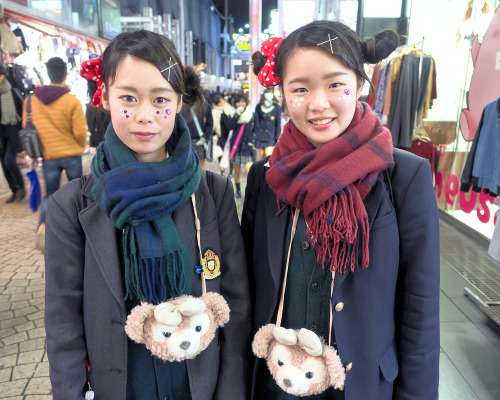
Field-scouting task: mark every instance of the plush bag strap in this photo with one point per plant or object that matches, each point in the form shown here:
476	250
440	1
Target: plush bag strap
282	300
198	238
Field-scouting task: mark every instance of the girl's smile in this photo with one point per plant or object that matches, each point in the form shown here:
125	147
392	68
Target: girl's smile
321	94
143	105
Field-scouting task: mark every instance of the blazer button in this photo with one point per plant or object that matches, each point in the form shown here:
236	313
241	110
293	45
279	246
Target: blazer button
313	327
161	362
348	367
305	245
339	307
315	286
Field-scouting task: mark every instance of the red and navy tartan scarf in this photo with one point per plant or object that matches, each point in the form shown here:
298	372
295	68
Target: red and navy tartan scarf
328	184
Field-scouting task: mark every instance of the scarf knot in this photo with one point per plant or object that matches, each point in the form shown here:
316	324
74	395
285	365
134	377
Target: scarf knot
139	198
329	184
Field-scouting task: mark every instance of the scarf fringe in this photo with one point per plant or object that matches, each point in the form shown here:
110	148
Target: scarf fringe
153	280
336	232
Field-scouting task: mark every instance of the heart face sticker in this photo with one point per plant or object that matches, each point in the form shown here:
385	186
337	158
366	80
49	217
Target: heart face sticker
347	91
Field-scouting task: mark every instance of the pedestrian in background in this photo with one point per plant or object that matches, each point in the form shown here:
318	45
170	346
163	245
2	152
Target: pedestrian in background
126	234
60	122
241	147
267	123
10	145
349	221
98	118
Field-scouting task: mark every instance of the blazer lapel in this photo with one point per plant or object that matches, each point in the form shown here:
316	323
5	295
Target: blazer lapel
101	235
276	230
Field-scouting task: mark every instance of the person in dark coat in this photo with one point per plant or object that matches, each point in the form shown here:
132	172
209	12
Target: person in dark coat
201	127
98	118
267	123
242	137
148	225
341	229
10	144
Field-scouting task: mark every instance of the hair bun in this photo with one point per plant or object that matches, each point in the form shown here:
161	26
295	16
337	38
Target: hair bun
258	61
193	93
380	46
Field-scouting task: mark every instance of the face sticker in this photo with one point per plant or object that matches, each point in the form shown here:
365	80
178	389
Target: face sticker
125	113
164	114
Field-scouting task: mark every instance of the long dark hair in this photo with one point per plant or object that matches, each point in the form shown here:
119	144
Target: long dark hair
159	51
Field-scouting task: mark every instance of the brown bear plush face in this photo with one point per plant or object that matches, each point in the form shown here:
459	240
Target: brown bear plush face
180	328
295	372
299	361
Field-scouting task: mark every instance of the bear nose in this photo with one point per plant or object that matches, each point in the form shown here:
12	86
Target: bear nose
185	345
287	382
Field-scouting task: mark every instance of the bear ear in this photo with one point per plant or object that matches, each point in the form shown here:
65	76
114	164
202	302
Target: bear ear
218	305
136	320
263	338
334	367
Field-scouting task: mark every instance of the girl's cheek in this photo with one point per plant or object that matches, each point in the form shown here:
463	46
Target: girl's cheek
295	102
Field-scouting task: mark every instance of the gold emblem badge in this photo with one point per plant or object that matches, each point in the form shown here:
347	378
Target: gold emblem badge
211	264
272	117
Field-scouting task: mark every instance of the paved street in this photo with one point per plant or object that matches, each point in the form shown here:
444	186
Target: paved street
24	368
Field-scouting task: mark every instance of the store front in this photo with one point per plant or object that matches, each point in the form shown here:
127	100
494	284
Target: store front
43	40
460	36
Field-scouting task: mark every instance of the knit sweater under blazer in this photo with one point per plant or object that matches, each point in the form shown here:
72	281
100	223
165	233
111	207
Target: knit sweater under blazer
61	126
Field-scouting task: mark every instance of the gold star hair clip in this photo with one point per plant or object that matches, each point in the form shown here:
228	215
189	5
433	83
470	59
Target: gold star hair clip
168	68
330	40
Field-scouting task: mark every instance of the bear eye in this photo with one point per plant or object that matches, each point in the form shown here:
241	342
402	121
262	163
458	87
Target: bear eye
309	375
167	334
280	363
198	328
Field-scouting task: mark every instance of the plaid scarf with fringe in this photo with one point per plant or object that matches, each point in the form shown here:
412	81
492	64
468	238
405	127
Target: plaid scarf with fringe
139	198
329	184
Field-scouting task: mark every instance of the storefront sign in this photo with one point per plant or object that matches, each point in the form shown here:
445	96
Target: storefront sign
468	202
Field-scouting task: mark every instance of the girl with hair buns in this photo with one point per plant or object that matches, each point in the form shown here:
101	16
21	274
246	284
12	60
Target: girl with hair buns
147	225
341	229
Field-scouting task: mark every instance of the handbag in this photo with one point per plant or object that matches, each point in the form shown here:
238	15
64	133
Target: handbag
29	136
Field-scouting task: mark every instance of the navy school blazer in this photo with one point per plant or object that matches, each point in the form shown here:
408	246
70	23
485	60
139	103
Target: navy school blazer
388	330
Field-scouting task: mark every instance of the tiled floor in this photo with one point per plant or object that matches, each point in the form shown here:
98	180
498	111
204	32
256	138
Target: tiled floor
470	356
470	342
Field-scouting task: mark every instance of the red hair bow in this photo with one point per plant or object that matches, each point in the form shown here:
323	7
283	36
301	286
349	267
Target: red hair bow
269	49
92	70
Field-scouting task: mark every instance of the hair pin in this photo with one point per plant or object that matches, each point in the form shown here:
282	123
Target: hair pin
330	40
168	68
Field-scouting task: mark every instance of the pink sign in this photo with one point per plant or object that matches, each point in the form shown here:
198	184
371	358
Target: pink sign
485	82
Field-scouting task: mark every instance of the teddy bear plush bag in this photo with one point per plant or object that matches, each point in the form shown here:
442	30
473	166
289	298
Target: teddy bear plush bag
300	362
179	328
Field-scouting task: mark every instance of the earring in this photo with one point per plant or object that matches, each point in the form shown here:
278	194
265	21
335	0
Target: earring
125	113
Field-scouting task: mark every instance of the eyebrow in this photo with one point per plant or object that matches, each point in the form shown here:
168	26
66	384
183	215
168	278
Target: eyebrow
154	90
325	77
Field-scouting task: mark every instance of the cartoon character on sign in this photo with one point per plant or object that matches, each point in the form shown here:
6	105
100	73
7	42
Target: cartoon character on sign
485	82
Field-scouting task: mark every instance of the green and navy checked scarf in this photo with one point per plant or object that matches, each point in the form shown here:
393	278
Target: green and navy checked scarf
329	184
139	198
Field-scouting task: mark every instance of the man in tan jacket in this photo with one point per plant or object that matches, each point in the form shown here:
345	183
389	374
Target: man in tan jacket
61	125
